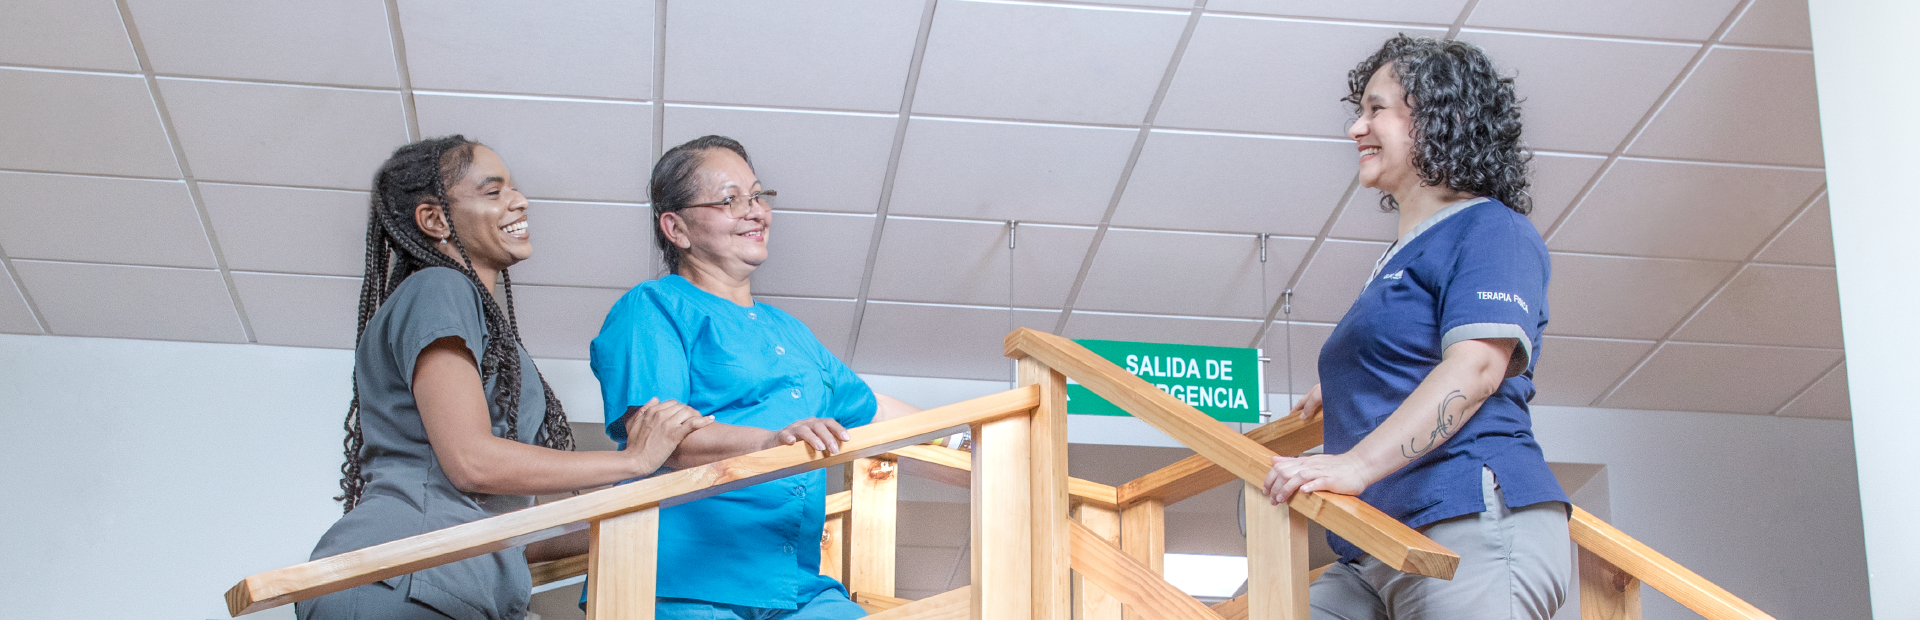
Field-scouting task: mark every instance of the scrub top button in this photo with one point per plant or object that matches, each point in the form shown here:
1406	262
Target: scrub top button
752	316
779	350
795	392
788	548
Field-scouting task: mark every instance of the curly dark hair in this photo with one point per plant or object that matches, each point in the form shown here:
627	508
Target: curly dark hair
416	174
1466	118
672	186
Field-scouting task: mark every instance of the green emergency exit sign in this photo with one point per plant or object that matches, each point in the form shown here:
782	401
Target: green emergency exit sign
1223	382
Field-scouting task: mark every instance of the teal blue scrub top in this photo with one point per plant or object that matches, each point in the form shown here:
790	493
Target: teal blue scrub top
746	366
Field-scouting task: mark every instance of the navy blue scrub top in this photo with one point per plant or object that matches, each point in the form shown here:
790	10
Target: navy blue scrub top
746	366
1475	270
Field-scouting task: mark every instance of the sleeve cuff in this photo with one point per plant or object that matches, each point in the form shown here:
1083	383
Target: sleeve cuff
1522	354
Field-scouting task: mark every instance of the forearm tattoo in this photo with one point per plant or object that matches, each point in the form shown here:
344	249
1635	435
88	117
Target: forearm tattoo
1442	428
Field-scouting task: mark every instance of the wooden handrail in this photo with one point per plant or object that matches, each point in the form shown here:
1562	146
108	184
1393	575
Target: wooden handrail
1381	536
1084	491
364	566
1667	576
1129	580
1288	436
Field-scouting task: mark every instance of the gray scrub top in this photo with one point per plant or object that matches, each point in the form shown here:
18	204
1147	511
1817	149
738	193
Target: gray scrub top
407	493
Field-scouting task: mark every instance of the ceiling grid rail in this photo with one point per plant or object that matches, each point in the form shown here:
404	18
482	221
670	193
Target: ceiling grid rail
402	71
186	169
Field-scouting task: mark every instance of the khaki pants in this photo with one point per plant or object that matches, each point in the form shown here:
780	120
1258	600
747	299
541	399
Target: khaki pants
1514	564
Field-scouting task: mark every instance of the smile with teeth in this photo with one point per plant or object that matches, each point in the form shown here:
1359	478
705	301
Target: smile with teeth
754	234
1369	152
515	228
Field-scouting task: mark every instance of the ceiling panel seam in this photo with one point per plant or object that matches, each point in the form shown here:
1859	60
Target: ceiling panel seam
1816	381
216	79
1280	301
1702	305
98	175
186	169
1647	119
655	265
402	71
893	168
26	297
20	66
1460	22
1133	158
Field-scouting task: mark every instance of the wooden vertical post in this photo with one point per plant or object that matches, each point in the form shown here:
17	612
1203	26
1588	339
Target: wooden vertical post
833	548
1143	535
1002	515
1052	548
621	560
1089	601
1606	592
1276	559
874	485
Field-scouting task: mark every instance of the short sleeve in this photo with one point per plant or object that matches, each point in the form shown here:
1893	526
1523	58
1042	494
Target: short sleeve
431	304
852	403
638	356
1498	287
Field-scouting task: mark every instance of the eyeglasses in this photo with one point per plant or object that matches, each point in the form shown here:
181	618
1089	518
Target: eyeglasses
740	206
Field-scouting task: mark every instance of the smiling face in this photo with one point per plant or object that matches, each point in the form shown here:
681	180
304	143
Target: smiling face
1384	135
708	236
489	213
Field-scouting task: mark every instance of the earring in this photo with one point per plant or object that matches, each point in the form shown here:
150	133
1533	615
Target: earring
443	241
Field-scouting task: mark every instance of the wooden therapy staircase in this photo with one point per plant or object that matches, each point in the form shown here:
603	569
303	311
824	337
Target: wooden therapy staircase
1044	546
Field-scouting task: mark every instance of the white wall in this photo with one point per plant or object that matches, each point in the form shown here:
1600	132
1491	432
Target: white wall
147	477
1870	123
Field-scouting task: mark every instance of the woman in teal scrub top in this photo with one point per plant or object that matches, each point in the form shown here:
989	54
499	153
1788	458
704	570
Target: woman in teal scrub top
697	338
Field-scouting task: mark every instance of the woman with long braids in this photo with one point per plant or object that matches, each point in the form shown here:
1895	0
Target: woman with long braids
1425	381
450	421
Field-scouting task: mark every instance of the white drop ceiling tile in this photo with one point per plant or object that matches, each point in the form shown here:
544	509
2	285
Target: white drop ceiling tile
1279	76
73	122
561	321
289	230
1139	328
101	220
346	43
815	255
830	319
965	262
563	150
1041	62
1827	398
1334	278
1304	355
1573	372
1193	274
1556	179
848	56
1774	90
284	135
300	310
1624	297
1634	18
119	301
1773	22
817	161
1232	184
1684	210
63	33
575	47
1442	12
1008	171
1747	379
1582	94
587	244
1363	219
15	316
1772	305
915	340
1807	241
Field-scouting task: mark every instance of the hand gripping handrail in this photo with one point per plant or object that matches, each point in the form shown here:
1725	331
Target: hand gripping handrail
1383	537
364	566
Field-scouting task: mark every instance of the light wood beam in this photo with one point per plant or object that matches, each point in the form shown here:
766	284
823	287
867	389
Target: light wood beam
1669	577
871	535
1143	537
1606	592
364	566
1195	474
833	547
876	603
1052	550
1139	587
1276	560
952	605
950	466
563	568
1386	539
1090	602
1002	520
621	559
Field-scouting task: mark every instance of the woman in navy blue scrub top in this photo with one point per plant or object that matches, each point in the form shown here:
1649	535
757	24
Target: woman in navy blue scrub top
1425	381
697	338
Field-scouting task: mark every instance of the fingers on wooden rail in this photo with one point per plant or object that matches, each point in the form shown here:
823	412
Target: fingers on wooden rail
1618	551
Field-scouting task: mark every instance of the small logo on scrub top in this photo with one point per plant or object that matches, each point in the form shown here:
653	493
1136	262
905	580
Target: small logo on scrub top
1492	296
1395	275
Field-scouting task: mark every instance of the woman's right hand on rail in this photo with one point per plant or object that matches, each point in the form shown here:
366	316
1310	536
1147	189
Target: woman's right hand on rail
823	434
655	429
1309	406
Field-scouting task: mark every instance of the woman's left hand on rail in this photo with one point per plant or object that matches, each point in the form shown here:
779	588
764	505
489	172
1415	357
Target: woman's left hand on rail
824	434
1335	473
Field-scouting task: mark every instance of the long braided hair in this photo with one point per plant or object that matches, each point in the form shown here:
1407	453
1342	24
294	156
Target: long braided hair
416	174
